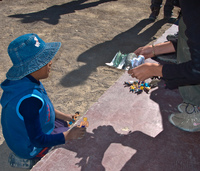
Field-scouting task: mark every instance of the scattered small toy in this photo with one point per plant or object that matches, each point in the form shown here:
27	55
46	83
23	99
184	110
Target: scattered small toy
84	123
129	83
154	81
74	118
138	87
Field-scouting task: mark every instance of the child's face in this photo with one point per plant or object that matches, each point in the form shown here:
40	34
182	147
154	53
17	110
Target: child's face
46	70
43	72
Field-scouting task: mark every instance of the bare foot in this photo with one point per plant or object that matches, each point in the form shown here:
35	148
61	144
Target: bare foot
74	133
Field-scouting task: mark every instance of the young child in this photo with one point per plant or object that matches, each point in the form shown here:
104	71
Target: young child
28	116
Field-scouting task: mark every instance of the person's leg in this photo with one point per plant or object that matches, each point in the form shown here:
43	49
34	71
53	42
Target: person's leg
19	162
190	94
156	4
60	126
168	8
15	161
155	9
189	119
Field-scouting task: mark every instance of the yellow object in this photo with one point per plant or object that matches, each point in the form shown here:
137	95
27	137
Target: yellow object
141	88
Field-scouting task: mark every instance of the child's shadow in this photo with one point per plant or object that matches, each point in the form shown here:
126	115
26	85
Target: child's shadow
100	54
52	14
171	149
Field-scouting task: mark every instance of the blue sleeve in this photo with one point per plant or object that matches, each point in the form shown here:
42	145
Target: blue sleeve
29	109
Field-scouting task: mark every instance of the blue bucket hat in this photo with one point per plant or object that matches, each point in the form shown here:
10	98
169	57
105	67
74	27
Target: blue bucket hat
29	53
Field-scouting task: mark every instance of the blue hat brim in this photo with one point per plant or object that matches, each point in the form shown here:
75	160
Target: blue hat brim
17	72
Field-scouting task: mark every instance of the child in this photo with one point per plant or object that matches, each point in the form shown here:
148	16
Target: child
28	116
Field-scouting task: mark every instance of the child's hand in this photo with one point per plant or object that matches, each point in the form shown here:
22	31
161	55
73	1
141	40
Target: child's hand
74	133
70	117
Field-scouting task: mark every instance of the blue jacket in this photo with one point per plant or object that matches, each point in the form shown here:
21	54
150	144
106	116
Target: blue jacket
13	126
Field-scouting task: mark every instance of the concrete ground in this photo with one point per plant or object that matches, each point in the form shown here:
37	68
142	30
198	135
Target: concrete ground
91	32
129	132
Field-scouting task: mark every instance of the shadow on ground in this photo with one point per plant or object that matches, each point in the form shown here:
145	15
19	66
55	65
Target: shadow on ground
52	14
104	52
171	149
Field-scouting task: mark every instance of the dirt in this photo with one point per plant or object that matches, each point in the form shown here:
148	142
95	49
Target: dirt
91	33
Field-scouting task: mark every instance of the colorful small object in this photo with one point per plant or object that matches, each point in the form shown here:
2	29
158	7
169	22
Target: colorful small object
154	82
138	87
129	83
132	88
84	123
74	118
